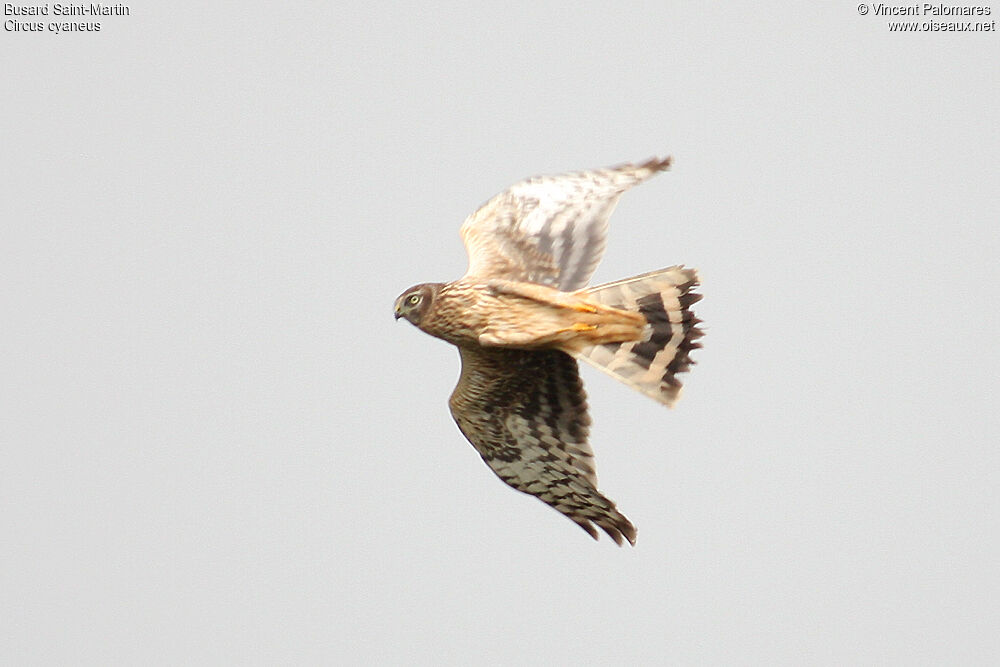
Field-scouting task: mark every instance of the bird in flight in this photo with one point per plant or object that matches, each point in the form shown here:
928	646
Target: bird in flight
522	315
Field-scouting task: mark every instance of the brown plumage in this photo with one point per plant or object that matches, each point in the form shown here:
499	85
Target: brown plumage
520	318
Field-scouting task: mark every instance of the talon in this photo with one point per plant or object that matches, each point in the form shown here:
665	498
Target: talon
584	308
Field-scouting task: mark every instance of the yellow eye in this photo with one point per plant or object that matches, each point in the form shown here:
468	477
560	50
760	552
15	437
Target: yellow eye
414	299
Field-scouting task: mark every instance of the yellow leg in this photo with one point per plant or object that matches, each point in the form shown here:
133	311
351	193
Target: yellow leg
579	326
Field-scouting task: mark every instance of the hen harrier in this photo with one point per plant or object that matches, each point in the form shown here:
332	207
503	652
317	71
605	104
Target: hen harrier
522	315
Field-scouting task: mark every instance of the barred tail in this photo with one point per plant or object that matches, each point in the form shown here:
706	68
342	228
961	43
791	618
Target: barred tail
651	364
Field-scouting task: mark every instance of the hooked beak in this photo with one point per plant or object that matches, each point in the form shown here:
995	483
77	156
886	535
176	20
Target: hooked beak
399	303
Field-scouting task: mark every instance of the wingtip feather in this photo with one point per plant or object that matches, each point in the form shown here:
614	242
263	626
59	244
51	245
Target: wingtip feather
658	164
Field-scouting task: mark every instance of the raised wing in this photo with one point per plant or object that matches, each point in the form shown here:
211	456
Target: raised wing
550	229
525	412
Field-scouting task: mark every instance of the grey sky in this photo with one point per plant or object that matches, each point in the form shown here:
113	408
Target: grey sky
219	447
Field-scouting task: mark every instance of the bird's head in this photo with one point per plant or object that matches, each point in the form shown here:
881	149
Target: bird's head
415	302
